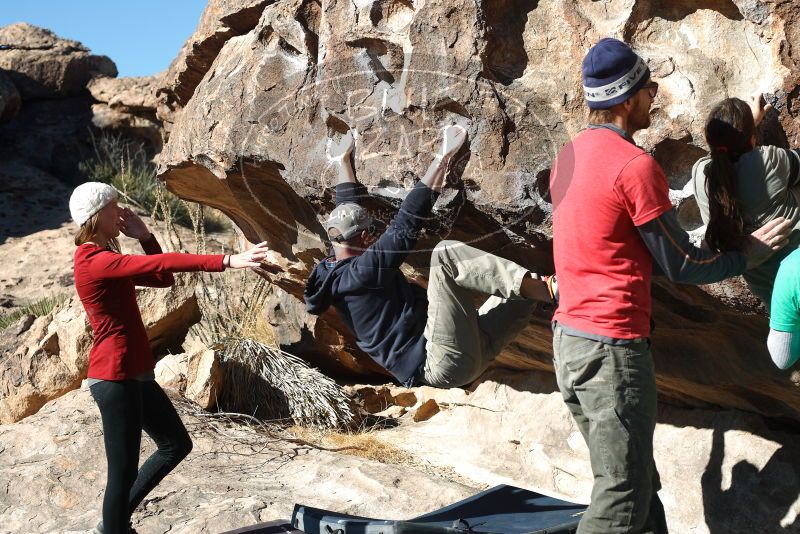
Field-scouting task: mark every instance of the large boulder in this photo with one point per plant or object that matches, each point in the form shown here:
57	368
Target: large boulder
48	356
43	65
56	99
131	94
167	315
45	358
221	20
10	100
127	106
251	109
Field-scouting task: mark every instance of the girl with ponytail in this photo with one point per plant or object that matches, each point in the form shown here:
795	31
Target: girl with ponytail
730	131
740	186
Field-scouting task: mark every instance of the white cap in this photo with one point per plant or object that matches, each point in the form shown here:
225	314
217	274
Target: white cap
351	218
88	199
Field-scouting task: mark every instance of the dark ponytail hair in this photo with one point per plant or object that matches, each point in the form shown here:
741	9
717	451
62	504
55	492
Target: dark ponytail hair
729	132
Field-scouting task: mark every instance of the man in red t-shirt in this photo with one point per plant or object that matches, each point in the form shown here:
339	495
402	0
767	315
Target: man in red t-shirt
612	217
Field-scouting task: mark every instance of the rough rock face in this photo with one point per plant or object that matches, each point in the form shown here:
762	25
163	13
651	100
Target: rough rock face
221	20
171	371
50	119
9	98
45	357
167	315
204	376
48	356
127	106
195	375
43	65
251	108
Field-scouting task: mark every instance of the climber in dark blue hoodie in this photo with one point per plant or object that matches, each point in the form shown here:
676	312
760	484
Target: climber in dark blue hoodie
435	337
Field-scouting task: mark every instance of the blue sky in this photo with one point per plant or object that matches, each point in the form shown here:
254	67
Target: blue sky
140	36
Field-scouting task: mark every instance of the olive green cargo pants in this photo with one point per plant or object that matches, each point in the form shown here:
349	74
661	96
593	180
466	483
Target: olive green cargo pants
462	341
611	392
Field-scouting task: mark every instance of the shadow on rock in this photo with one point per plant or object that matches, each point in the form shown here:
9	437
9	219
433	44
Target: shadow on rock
752	499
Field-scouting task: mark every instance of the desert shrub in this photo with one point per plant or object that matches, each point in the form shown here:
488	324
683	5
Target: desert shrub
261	379
37	308
271	384
125	164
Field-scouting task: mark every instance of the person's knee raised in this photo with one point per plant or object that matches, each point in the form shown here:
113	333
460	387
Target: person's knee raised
442	250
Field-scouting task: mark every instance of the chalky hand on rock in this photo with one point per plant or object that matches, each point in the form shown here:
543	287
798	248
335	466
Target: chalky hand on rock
453	136
338	151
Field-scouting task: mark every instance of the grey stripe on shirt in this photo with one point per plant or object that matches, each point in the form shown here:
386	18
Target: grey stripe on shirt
144	377
780	348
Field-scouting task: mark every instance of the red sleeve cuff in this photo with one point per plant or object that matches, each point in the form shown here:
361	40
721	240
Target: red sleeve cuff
220	258
652	215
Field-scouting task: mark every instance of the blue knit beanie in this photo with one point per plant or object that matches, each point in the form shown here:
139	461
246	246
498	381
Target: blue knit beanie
612	73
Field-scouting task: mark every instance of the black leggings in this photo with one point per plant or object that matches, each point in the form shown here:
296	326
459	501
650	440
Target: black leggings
127	407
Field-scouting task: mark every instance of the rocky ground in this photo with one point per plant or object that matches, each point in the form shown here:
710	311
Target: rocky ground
722	471
52	475
34	235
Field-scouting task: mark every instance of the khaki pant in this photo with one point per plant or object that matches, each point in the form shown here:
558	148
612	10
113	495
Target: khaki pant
461	341
611	392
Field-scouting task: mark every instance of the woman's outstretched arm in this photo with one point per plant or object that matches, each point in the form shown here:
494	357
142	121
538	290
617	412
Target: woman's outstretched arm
106	264
163	279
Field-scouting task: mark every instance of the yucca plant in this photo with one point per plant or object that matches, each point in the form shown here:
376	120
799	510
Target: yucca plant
37	308
259	378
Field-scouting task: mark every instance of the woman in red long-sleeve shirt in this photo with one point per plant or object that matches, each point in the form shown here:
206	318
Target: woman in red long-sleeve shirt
121	364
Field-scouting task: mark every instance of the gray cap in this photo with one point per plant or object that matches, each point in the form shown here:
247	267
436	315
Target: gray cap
350	219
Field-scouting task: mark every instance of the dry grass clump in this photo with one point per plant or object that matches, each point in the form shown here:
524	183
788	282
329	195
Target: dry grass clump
364	444
127	166
274	385
261	379
232	304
